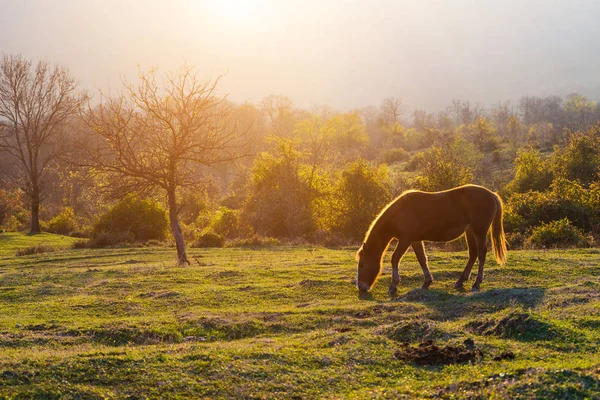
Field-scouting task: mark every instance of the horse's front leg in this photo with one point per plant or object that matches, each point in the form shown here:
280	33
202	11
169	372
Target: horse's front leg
399	251
422	257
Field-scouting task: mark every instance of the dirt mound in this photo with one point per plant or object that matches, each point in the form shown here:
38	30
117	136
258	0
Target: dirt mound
428	353
516	325
413	331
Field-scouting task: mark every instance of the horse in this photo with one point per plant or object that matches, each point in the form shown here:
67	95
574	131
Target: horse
416	216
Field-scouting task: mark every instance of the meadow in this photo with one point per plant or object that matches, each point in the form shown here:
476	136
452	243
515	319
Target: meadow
288	322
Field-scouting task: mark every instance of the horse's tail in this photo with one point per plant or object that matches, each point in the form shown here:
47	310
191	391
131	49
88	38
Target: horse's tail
498	238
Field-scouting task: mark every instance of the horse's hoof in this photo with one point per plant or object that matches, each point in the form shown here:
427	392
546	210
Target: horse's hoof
458	285
392	290
475	288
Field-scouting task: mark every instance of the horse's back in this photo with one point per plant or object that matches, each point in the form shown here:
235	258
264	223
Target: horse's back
444	215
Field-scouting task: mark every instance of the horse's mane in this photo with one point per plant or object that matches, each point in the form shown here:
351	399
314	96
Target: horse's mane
379	217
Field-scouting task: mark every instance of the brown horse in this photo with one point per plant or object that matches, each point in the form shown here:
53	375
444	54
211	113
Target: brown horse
416	216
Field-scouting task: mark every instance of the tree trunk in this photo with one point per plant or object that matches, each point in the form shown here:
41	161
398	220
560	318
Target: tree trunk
176	228
35	210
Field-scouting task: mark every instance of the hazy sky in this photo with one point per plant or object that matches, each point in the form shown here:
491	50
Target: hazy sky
342	53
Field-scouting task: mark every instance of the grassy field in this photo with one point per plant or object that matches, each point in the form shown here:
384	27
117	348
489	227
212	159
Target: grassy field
288	323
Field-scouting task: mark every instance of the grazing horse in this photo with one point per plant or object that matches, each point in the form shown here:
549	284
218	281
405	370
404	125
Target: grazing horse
416	216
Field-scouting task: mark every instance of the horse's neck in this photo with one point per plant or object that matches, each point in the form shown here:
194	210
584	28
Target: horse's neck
378	240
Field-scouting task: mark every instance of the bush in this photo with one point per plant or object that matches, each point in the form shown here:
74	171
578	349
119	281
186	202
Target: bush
64	223
580	159
134	219
39	249
396	155
226	222
105	239
532	172
565	199
442	170
360	193
209	238
558	234
280	201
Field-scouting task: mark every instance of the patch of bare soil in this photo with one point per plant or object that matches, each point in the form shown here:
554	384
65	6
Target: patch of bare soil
428	353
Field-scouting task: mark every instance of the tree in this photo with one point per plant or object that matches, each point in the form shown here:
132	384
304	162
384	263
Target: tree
390	119
280	113
35	104
532	172
280	194
359	194
580	159
157	137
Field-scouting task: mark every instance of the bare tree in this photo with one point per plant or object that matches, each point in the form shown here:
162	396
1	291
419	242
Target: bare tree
156	137
391	111
35	103
280	114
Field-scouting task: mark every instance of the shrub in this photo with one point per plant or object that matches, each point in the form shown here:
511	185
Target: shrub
226	222
440	170
39	249
209	238
558	234
80	244
532	172
396	155
565	199
360	193
134	219
280	201
64	223
580	159
104	239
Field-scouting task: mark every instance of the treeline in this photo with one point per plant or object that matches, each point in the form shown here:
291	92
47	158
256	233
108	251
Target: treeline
176	157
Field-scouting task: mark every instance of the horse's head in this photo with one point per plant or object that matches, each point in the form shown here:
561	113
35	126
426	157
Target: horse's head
369	267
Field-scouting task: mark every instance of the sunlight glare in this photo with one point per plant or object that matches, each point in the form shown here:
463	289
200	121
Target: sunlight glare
237	10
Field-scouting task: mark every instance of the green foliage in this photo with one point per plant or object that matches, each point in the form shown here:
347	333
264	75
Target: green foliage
560	233
483	134
580	159
565	199
13	216
209	238
396	155
280	195
226	222
64	223
104	239
441	170
358	196
532	172
138	219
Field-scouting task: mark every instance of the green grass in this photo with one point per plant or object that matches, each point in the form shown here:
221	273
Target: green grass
288	323
10	242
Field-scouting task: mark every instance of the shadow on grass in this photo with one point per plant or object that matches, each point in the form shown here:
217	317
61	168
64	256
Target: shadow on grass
445	305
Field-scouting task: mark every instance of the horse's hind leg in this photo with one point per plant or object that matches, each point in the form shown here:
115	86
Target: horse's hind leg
399	251
422	257
472	245
481	253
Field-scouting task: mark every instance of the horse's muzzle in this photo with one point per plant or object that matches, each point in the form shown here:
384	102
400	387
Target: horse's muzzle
363	287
